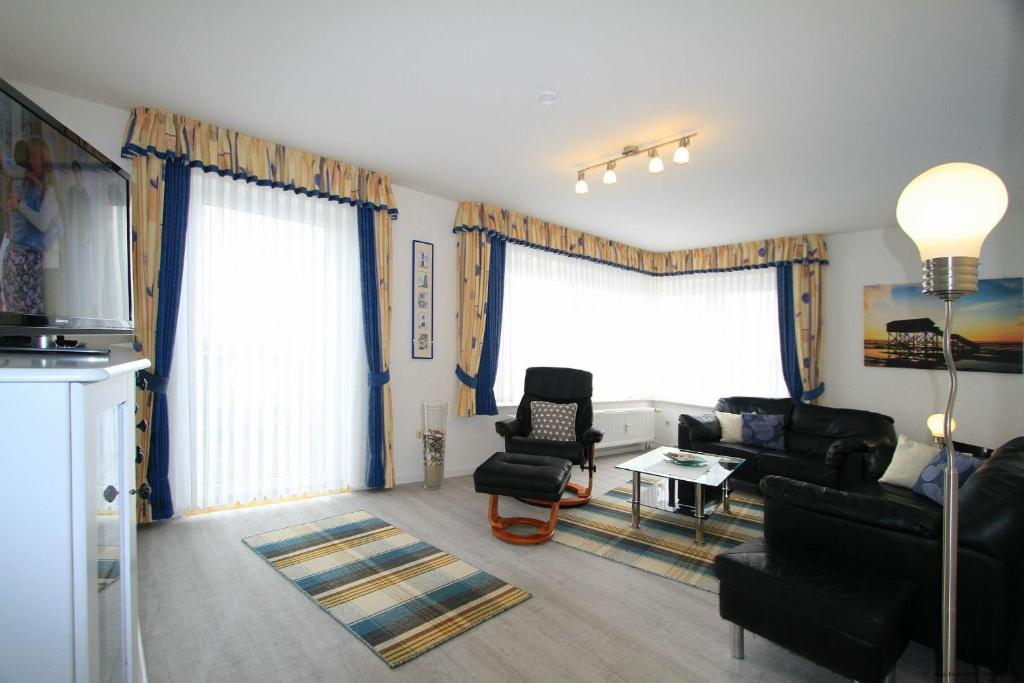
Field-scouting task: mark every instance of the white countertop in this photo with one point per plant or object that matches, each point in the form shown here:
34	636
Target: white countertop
57	367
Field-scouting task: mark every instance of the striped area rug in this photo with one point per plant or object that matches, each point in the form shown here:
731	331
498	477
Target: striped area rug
664	543
394	592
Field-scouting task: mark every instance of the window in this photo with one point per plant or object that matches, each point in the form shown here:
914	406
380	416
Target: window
687	338
267	394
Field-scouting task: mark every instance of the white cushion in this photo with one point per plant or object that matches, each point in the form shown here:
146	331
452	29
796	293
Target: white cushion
732	427
908	460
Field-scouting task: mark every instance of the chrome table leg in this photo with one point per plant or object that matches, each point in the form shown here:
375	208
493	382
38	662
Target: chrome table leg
698	511
725	496
635	512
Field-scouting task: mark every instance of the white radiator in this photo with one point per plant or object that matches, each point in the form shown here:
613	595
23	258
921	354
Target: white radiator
625	426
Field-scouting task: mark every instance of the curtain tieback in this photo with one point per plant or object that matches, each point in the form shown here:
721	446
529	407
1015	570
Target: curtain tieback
465	378
379	379
154	383
814	393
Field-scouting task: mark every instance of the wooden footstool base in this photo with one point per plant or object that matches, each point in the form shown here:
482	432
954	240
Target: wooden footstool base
545	530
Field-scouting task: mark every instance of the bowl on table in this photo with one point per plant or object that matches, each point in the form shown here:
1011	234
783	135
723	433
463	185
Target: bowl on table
685	459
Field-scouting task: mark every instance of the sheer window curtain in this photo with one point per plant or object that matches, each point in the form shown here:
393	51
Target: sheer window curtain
267	396
719	336
688	338
568	312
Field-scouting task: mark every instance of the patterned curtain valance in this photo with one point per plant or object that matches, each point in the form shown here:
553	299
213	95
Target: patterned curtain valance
533	232
224	151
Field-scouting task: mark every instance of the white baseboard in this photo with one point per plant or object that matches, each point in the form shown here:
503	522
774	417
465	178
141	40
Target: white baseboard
417	477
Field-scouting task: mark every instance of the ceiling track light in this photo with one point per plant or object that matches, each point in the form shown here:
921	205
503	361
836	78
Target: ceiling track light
655	163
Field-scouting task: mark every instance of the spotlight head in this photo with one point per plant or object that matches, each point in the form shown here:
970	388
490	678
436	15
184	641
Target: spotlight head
655	165
682	153
609	174
581	183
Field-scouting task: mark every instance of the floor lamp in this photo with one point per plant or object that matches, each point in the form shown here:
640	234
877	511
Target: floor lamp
948	211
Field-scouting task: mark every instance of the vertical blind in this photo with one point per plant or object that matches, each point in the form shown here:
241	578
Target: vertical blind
267	394
688	338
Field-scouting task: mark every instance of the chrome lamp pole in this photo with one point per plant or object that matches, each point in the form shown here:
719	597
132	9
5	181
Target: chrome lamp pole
948	211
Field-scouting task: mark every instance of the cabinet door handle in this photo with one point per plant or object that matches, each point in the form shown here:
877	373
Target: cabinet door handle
143	491
110	493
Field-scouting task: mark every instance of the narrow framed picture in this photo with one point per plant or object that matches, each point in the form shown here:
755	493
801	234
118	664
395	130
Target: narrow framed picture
422	299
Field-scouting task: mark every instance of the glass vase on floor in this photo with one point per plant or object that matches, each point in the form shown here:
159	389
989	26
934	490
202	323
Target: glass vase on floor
435	427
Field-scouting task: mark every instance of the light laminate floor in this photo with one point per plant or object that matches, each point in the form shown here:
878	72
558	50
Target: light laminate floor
211	610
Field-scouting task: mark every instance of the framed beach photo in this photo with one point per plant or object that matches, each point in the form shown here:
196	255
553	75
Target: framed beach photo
903	328
422	299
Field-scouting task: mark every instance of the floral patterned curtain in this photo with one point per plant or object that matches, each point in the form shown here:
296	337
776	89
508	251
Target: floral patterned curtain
153	136
151	132
533	232
808	284
474	259
147	189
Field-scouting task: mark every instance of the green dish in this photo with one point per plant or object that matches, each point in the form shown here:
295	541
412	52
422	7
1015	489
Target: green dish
692	461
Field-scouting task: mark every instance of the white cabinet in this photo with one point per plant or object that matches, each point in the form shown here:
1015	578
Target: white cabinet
67	519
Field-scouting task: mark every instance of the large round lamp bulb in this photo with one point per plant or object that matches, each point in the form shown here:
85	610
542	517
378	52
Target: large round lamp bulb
950	209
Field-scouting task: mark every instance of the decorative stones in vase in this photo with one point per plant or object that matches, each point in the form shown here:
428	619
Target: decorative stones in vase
435	427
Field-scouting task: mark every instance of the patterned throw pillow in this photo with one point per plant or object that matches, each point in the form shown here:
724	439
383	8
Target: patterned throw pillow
764	431
553	421
932	482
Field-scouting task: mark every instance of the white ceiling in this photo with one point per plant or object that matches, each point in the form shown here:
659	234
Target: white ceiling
812	115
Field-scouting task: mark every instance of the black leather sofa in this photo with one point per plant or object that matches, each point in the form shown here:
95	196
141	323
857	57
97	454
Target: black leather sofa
891	532
836	447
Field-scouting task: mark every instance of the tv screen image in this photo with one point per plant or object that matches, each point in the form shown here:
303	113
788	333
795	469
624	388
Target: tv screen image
64	228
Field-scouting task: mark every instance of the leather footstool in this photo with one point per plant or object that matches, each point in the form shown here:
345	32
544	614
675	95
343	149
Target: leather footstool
845	618
537	477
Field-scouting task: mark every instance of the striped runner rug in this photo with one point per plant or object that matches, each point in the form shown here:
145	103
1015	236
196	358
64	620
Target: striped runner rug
664	544
394	592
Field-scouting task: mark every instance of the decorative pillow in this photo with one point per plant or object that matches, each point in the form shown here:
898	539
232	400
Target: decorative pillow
764	431
932	482
732	427
909	458
553	421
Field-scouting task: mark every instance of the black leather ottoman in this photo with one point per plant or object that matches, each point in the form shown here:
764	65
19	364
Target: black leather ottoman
519	475
845	618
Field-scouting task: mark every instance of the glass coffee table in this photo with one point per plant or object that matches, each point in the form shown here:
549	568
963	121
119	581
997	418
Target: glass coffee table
671	491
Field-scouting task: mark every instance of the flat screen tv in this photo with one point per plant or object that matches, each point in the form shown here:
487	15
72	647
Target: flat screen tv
65	262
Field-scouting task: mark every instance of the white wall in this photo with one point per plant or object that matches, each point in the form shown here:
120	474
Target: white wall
990	406
428	218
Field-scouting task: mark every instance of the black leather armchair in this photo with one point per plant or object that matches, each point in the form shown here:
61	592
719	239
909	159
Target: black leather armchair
557	385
